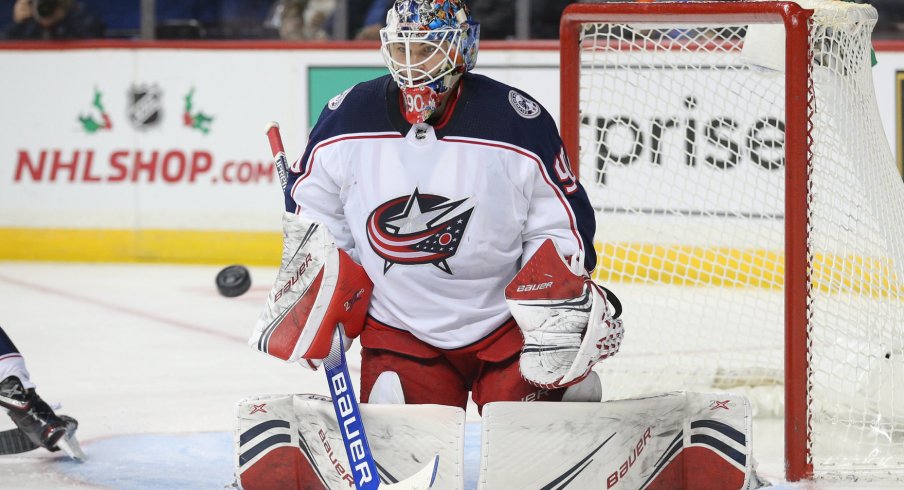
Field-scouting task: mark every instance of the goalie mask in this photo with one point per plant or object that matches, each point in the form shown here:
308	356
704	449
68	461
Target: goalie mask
427	45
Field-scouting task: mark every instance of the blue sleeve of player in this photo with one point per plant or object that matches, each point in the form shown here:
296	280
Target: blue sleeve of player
578	200
6	345
297	169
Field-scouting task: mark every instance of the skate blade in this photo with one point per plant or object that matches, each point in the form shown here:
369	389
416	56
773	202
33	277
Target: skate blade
69	444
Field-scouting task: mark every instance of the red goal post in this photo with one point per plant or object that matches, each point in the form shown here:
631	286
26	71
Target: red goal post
798	255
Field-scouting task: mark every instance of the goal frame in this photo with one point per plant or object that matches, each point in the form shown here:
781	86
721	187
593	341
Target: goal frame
798	109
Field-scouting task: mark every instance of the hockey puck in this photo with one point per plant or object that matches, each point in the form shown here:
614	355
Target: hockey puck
233	281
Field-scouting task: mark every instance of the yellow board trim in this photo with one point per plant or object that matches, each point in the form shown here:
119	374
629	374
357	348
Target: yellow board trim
174	246
738	268
618	262
689	266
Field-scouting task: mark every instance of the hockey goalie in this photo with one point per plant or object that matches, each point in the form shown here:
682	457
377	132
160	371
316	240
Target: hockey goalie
668	441
432	218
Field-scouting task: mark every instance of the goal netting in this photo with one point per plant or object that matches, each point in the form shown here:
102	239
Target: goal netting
749	213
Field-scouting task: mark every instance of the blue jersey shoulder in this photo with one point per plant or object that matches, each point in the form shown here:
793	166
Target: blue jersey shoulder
495	111
498	112
359	109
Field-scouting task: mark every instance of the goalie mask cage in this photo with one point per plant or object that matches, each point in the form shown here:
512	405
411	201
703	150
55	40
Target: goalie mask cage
749	213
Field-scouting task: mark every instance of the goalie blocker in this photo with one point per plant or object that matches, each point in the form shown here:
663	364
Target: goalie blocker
318	286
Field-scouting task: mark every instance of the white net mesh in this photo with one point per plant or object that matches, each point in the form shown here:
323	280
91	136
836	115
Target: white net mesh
682	135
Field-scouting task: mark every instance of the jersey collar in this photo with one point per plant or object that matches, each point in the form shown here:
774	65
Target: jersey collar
441	126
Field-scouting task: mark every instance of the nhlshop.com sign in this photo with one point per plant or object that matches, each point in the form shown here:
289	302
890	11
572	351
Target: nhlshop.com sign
134	167
144	139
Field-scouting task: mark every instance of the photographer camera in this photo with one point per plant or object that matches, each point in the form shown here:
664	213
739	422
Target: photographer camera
53	19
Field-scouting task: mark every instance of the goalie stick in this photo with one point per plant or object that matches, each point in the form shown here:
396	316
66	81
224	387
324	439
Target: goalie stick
342	392
14	441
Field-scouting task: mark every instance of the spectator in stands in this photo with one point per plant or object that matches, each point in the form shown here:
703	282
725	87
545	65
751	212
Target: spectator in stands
497	18
298	20
891	19
374	20
241	19
53	19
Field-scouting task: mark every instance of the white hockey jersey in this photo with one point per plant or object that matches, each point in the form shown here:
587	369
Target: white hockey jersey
441	217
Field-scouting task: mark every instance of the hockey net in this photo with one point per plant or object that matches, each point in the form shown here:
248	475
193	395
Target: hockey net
749	213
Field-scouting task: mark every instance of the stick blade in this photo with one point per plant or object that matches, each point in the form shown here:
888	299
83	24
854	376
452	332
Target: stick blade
14	441
422	480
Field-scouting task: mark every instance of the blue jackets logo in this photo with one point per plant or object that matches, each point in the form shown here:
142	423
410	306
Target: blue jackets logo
418	229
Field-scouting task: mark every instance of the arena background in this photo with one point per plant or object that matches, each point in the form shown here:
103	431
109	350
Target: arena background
115	151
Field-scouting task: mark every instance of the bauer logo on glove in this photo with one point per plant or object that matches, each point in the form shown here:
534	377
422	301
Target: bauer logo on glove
317	287
565	319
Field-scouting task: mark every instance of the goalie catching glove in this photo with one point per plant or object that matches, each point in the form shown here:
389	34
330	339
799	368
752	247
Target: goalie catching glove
318	286
565	319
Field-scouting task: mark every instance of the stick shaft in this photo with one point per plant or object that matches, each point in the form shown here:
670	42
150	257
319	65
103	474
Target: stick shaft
360	459
279	153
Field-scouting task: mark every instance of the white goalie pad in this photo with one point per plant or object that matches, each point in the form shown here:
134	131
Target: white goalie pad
293	442
664	442
318	286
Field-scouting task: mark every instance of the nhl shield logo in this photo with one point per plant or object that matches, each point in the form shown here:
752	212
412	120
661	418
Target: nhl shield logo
145	106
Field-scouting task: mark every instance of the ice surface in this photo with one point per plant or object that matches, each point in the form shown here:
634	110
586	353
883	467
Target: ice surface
151	360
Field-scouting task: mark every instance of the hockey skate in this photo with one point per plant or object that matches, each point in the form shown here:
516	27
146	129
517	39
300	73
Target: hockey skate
38	425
